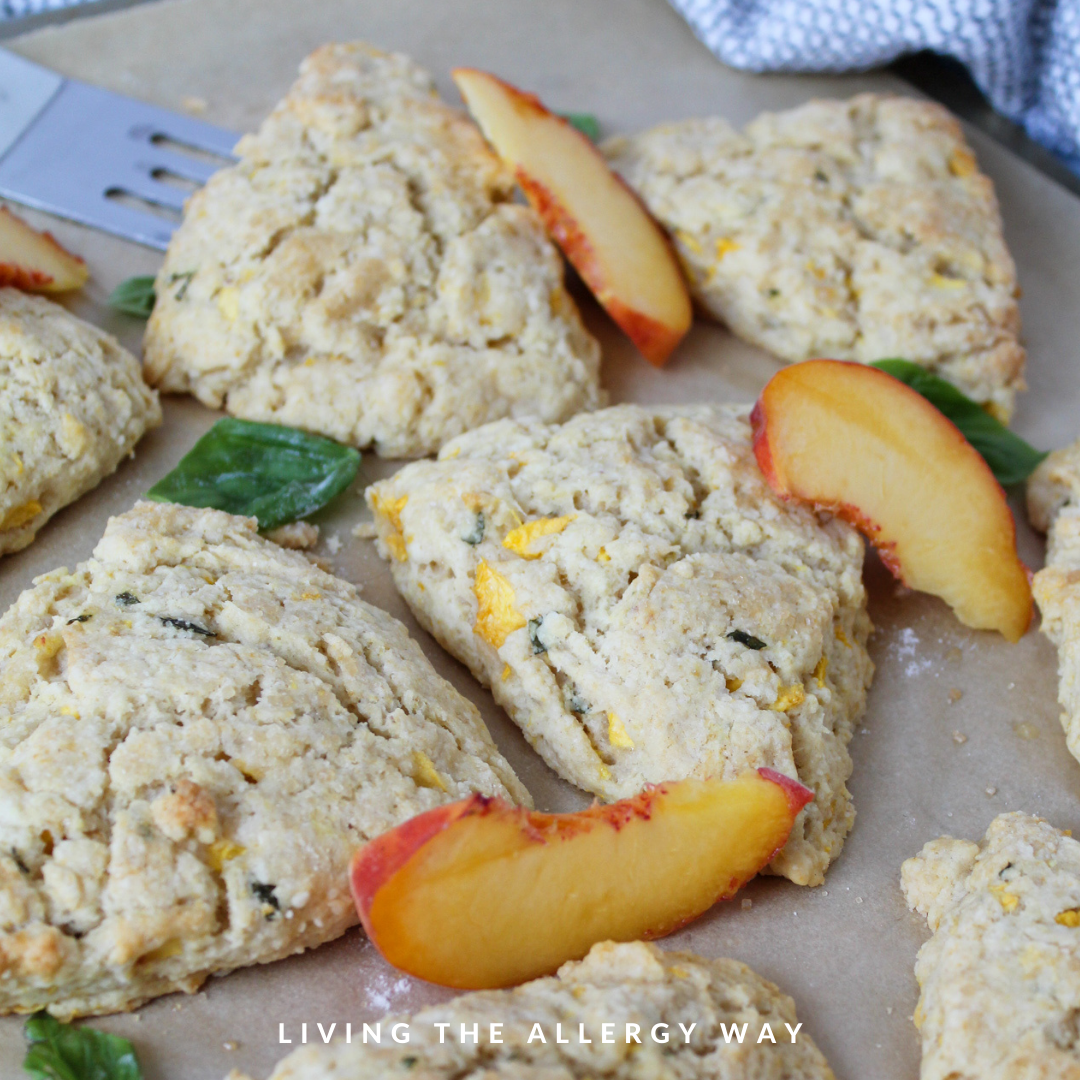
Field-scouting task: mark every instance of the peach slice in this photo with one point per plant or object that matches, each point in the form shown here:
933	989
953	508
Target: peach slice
605	231
480	894
34	261
854	440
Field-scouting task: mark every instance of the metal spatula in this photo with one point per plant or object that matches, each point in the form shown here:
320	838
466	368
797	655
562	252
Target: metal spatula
100	158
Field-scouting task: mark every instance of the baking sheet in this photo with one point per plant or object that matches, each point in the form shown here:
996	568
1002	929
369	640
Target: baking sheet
925	764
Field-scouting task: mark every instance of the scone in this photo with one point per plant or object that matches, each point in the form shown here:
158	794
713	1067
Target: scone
73	405
199	728
857	230
1000	978
641	603
618	985
363	273
1053	498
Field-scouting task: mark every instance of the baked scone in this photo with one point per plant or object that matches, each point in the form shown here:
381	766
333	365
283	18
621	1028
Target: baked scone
1053	499
73	405
363	273
857	230
615	985
199	728
1000	978
641	603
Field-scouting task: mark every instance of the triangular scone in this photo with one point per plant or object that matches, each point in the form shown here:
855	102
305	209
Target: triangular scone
199	729
857	229
73	405
1000	978
362	272
730	1012
1053	498
642	604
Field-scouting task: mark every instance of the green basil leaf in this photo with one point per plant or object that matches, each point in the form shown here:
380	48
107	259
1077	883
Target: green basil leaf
273	473
135	296
1010	458
585	122
65	1052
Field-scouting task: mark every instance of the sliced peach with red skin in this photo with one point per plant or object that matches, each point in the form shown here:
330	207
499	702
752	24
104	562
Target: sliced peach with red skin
620	252
34	261
479	893
854	440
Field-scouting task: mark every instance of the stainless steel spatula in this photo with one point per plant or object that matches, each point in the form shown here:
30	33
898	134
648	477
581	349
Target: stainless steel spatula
100	158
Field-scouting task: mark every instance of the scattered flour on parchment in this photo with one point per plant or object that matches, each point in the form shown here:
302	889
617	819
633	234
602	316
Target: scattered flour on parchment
907	650
384	990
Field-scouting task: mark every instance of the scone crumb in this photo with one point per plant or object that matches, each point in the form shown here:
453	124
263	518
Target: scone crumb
297	535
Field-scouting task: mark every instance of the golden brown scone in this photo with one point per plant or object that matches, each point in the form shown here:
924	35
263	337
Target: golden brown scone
858	230
642	604
1000	978
616	985
363	273
198	730
73	405
1053	499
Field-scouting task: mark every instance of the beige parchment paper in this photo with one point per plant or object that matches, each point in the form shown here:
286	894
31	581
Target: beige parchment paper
924	764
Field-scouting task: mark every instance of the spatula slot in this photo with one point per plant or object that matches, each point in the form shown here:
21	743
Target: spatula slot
137	202
199	153
167	176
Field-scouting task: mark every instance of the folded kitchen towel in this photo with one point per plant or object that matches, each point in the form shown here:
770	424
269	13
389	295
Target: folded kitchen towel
1024	54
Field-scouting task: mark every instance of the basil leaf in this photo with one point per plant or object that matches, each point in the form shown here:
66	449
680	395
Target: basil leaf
1010	458
273	473
585	122
65	1052
135	296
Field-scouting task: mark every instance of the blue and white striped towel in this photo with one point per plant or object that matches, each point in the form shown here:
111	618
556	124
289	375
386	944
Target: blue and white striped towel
1024	54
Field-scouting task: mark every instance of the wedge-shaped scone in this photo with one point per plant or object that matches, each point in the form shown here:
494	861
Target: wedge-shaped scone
1000	978
856	230
362	272
618	985
1053	498
642	604
199	728
73	405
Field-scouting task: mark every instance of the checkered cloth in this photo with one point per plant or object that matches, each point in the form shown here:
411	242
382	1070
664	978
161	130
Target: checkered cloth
1024	54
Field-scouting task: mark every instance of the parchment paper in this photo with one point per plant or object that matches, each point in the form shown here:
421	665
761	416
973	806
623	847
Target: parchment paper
844	951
